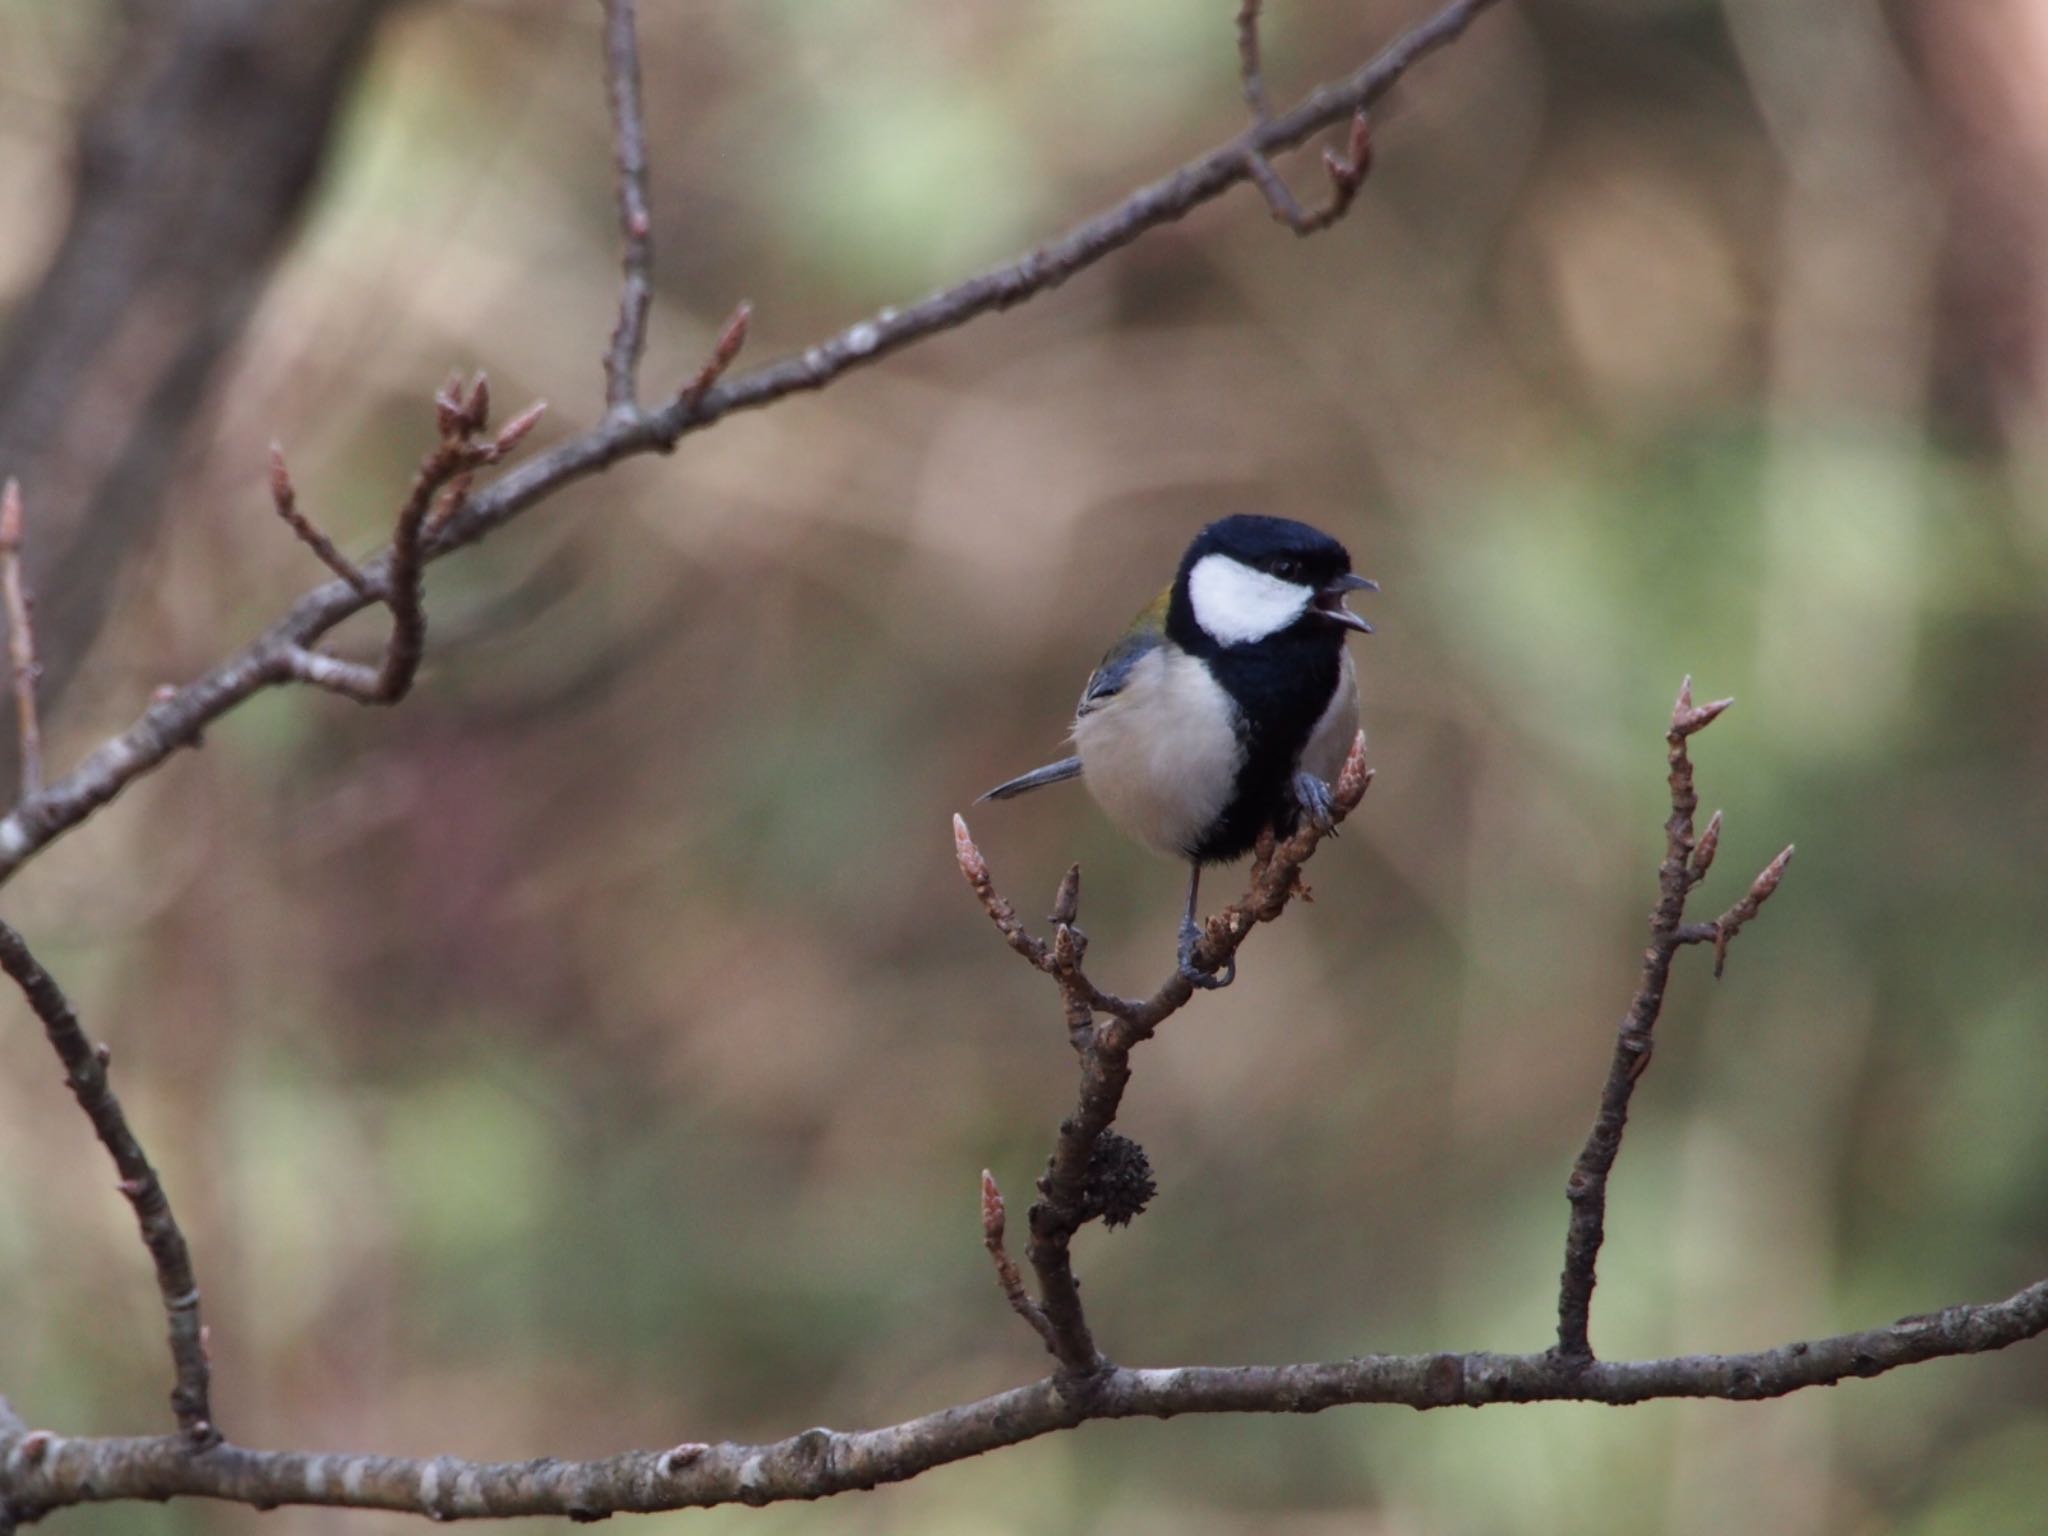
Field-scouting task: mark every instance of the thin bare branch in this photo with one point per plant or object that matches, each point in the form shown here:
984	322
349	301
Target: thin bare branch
438	491
1250	70
178	719
993	1220
820	1462
1200	181
284	496
21	641
1729	923
636	225
1347	171
1686	863
85	1071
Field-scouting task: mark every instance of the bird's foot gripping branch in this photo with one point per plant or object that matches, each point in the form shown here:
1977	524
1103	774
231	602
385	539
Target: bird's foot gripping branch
1093	1171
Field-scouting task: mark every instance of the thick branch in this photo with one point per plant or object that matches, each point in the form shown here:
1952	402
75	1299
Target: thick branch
820	1462
85	1070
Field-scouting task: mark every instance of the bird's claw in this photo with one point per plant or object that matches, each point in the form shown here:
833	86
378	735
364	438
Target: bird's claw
1206	981
1318	808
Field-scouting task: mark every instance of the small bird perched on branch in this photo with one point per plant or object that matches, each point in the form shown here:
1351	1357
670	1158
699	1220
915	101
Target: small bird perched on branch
1227	707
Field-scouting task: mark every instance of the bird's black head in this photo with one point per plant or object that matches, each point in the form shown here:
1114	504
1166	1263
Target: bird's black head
1246	579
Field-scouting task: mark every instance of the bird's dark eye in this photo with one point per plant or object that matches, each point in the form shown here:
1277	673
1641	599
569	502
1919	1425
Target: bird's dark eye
1287	570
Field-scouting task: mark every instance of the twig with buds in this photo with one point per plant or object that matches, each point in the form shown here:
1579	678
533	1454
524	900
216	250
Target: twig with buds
1686	862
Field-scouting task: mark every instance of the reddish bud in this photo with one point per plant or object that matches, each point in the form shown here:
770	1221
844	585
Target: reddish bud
993	1214
476	410
733	335
1708	845
517	428
972	864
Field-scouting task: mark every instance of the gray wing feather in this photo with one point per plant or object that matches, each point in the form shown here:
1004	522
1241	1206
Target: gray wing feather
1115	671
1051	773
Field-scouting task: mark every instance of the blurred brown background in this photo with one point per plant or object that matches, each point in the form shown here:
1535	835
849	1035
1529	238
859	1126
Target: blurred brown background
601	1050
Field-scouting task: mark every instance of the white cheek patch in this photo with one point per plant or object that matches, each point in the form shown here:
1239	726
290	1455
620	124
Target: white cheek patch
1236	605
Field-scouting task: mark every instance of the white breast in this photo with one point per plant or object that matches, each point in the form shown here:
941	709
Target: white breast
1330	742
1161	757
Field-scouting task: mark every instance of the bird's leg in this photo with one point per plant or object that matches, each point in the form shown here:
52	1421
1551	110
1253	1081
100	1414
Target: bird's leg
1191	935
1313	796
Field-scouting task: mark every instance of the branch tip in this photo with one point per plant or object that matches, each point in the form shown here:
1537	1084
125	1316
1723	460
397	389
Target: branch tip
510	434
972	864
992	1210
1691	721
731	337
1703	852
1066	901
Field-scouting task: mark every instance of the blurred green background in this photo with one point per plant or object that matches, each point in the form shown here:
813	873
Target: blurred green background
601	1050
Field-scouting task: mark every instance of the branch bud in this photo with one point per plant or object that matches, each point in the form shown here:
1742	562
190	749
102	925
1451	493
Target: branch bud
972	864
476	410
1703	852
1066	902
513	430
448	407
992	1211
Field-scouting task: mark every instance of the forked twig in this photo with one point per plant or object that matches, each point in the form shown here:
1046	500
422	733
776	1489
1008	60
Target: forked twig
1347	171
1091	1169
463	416
1685	865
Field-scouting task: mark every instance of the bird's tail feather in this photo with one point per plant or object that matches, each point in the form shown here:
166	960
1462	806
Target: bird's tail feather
1051	773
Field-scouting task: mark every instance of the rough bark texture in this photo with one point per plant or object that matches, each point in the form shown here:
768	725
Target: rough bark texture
820	1462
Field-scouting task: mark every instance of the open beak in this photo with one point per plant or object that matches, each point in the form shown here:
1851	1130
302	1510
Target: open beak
1330	601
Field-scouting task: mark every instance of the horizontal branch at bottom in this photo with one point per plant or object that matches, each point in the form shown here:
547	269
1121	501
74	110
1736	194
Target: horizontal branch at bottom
40	1472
